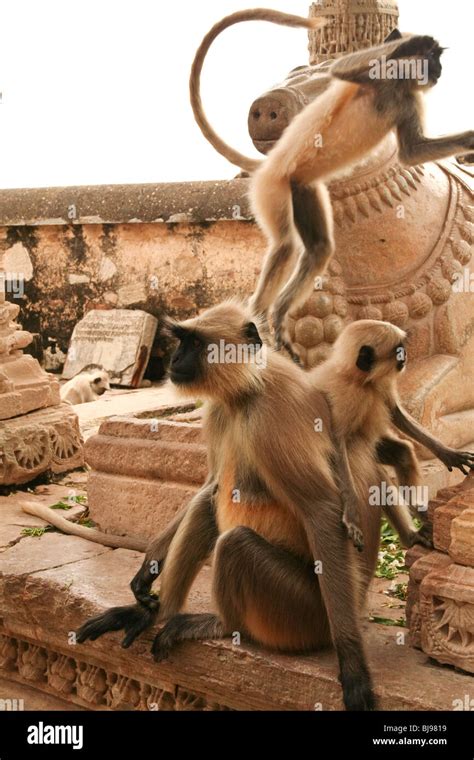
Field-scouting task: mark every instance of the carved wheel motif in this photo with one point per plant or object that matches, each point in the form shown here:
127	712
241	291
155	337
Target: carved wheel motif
32	450
65	442
452	625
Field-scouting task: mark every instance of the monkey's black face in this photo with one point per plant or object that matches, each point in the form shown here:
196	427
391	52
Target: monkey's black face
434	64
366	358
186	363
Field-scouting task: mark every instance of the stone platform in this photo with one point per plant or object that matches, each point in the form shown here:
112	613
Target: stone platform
49	585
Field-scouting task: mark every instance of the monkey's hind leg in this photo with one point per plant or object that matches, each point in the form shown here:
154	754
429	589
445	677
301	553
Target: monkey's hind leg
185	627
265	592
272	206
314	221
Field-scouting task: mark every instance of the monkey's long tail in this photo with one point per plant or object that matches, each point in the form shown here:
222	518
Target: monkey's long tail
90	534
254	14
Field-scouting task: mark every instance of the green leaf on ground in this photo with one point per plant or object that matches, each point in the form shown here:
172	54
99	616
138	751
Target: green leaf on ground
388	621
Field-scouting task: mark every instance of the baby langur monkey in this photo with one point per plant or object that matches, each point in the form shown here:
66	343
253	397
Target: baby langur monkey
360	381
86	386
269	510
348	120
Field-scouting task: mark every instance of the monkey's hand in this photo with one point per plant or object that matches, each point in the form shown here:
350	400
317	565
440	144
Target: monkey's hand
462	460
133	619
142	582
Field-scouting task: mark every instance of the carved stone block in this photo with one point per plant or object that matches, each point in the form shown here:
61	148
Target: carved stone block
154	465
47	439
446	611
421	562
444	516
461	548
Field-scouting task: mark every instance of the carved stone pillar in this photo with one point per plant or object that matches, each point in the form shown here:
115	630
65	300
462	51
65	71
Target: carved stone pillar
37	431
356	24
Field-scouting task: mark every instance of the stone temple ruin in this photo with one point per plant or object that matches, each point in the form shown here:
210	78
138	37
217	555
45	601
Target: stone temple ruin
178	248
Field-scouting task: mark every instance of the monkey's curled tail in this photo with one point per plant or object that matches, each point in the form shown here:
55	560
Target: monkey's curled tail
90	534
254	14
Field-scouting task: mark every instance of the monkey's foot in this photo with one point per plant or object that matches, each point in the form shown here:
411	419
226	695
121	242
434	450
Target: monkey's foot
184	627
354	531
357	692
424	536
133	619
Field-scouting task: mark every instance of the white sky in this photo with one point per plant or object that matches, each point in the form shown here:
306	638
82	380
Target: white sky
96	91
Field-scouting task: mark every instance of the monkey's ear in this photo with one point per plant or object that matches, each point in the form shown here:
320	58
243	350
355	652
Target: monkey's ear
395	34
366	358
251	332
173	329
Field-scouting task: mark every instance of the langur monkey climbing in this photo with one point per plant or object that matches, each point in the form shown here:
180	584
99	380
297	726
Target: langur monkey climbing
359	380
359	108
284	573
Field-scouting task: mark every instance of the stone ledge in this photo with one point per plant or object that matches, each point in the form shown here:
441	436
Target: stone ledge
166	202
50	603
50	585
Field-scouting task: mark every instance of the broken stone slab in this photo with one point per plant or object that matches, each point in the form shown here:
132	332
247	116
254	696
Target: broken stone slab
120	340
56	595
47	439
24	387
446	609
445	514
461	548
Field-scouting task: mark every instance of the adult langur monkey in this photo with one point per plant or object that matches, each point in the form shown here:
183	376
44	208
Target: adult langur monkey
264	446
359	108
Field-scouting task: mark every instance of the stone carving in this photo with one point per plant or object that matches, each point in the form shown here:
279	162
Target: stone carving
355	25
37	431
119	340
46	439
61	673
32	662
440	605
8	653
90	685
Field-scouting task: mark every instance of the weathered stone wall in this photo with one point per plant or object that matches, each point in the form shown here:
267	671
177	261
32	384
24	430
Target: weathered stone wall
170	248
